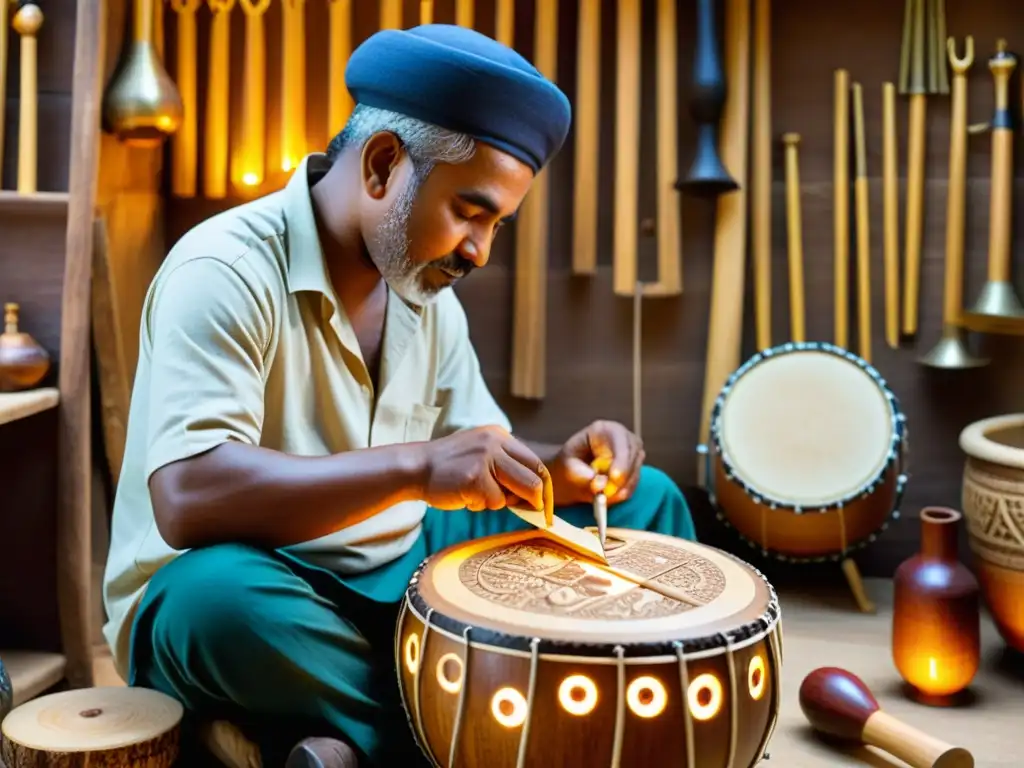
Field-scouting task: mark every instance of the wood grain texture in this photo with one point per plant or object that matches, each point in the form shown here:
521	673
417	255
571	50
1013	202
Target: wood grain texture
590	337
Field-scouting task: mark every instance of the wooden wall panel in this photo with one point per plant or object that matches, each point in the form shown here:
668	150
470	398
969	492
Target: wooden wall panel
589	332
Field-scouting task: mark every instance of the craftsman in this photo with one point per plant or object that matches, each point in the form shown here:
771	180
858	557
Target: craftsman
309	419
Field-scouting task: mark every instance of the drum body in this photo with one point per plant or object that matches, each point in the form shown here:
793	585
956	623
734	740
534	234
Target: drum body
513	651
807	452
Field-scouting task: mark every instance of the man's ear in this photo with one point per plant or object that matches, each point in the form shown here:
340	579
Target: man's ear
381	155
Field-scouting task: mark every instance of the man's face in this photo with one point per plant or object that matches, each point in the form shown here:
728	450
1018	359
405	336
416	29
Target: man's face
424	235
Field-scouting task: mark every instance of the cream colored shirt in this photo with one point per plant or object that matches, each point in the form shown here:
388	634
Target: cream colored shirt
243	338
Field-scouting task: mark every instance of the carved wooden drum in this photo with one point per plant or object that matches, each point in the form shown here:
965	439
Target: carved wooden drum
514	651
807	452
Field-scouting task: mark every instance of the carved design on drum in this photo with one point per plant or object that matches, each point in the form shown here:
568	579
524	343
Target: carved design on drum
995	517
534	576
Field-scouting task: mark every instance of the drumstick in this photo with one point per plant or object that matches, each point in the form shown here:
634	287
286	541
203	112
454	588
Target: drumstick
587	144
504	22
529	348
184	142
464	13
725	329
27	21
794	226
838	703
761	175
215	178
339	105
4	15
254	105
841	203
891	224
426	11
627	147
670	245
390	14
860	188
915	165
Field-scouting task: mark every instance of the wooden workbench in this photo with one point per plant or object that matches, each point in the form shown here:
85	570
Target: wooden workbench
823	629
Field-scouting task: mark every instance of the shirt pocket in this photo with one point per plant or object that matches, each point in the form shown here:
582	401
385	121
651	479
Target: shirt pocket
420	423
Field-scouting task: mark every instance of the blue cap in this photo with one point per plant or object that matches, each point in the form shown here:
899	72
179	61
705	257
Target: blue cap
462	80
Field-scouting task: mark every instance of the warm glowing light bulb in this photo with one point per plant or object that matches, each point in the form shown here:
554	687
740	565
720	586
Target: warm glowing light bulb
250	179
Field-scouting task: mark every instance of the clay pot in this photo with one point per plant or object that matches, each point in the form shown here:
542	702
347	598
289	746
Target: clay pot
6	692
23	362
936	622
993	502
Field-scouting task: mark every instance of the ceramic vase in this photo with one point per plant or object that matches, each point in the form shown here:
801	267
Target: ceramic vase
936	622
993	503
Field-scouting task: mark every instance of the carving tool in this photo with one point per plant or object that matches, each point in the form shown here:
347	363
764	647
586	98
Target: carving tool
576	539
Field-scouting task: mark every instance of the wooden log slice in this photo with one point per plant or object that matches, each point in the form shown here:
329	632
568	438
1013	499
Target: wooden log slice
94	728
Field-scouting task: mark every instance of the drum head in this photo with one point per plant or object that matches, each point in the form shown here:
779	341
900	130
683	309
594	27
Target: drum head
525	584
807	428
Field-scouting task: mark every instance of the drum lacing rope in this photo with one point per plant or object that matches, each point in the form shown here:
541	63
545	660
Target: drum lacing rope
684	684
531	689
417	688
734	710
764	531
461	706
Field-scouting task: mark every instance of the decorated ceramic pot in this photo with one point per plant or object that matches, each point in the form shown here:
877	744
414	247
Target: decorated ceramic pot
993	503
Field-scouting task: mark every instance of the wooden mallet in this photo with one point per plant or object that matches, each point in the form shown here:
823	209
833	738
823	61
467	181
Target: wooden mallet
838	703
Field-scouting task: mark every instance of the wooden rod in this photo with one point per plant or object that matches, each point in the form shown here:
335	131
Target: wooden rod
293	85
670	239
952	305
185	141
339	105
725	328
5	13
250	160
794	239
841	204
863	227
464	13
627	147
390	14
504	22
761	173
891	221
529	342
426	11
215	178
28	20
587	144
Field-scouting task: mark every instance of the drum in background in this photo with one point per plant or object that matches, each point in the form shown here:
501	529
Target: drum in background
807	452
512	651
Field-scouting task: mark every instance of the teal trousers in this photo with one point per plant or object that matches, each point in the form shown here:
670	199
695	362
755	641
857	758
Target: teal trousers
285	649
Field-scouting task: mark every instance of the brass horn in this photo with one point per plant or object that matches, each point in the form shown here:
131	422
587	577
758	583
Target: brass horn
141	105
998	309
708	176
952	351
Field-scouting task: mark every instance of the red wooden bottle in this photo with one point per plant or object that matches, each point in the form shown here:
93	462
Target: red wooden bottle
936	624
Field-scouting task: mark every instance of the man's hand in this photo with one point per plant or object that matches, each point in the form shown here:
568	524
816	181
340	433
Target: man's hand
616	451
482	468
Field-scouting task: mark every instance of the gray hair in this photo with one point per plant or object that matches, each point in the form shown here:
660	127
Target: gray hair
427	144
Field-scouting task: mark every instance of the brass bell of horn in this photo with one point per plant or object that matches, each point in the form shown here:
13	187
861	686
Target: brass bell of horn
141	105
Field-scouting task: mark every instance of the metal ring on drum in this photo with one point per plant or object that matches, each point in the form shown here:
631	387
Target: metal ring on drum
807	452
512	650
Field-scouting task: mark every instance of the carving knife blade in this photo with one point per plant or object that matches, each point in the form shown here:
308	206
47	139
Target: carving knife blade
576	539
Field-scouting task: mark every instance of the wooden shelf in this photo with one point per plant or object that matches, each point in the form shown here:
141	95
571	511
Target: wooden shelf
14	202
32	672
19	405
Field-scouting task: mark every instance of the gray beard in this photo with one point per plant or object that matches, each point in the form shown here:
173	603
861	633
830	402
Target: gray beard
389	252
